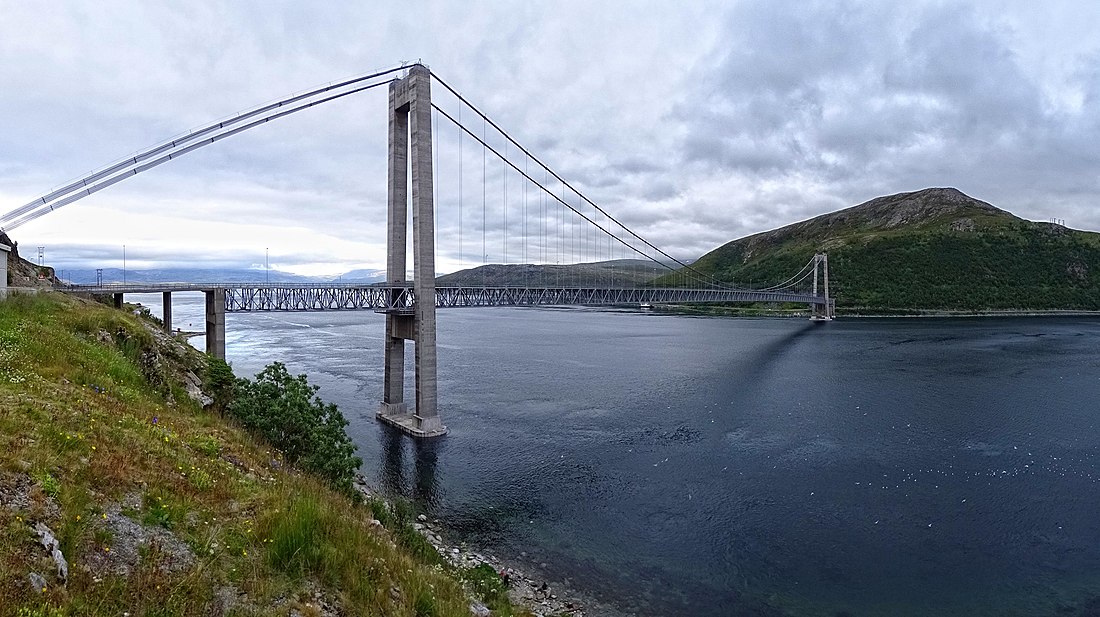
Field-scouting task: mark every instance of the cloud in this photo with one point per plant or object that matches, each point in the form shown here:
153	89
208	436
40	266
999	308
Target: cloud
693	123
846	101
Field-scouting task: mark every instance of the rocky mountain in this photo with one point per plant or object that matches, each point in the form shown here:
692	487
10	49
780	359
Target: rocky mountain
934	249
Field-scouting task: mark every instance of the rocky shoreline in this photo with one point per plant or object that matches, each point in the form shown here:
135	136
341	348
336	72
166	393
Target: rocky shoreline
537	594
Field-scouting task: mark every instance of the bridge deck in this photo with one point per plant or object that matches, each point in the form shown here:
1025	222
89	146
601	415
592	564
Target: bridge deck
242	298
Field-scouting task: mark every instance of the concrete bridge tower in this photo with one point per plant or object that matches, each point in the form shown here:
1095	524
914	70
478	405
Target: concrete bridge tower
410	148
824	310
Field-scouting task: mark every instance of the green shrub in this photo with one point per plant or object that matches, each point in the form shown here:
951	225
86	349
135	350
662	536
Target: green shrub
50	485
488	586
221	382
310	434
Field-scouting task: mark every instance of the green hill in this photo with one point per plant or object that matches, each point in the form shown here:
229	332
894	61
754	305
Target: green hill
934	249
123	491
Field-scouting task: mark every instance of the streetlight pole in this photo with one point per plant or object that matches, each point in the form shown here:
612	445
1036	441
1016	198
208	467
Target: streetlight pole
123	264
267	266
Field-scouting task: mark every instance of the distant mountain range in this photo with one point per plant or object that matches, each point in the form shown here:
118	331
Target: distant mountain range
216	275
624	272
618	272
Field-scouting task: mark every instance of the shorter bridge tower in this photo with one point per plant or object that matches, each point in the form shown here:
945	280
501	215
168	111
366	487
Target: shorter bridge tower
822	311
411	138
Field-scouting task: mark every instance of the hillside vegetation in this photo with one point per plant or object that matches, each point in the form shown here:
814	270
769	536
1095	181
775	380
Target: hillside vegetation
120	494
935	249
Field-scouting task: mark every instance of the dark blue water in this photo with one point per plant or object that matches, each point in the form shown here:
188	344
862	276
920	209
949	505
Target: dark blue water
694	466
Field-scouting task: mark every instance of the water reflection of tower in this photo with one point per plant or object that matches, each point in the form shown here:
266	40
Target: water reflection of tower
423	487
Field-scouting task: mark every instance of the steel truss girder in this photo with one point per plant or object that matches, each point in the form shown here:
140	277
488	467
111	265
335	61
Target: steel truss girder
403	299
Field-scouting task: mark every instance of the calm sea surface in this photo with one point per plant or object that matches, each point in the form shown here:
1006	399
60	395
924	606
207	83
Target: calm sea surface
701	466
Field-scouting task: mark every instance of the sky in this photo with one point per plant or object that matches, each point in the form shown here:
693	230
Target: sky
694	123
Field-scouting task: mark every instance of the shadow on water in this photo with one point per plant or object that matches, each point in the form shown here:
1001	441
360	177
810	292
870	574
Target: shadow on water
421	485
761	359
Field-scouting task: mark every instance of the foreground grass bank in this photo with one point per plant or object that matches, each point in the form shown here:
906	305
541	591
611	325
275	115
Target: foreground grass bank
160	507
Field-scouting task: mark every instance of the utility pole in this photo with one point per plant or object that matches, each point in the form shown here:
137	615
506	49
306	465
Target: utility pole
123	264
267	266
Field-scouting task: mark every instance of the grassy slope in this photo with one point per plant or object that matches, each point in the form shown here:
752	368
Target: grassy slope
932	249
142	447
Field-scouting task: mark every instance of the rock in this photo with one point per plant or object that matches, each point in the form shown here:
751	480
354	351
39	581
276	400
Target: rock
193	386
37	581
479	610
51	544
395	594
375	523
225	598
421	518
1078	270
129	540
963	224
15	492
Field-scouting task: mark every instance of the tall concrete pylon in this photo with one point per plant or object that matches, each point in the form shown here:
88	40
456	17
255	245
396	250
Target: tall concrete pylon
411	138
821	312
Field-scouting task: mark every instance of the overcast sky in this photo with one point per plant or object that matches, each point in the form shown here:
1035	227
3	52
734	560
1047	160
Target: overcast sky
694	122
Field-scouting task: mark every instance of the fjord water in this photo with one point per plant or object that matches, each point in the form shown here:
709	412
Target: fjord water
704	466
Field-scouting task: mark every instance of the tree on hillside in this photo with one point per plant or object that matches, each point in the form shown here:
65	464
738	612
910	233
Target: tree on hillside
285	411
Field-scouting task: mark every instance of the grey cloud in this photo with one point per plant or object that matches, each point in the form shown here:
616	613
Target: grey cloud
785	109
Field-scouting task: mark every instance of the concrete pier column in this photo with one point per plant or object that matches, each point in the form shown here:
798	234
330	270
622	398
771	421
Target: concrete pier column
393	388
215	323
4	250
423	204
410	145
117	298
167	311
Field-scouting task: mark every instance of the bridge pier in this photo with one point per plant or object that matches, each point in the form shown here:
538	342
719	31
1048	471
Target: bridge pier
4	250
215	322
166	312
410	135
117	300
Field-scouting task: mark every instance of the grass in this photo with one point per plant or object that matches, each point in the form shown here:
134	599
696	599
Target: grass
93	418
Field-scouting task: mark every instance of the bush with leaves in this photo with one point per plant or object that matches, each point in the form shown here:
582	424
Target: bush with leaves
220	382
283	410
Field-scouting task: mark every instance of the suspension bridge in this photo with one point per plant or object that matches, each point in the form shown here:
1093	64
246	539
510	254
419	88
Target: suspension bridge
540	219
